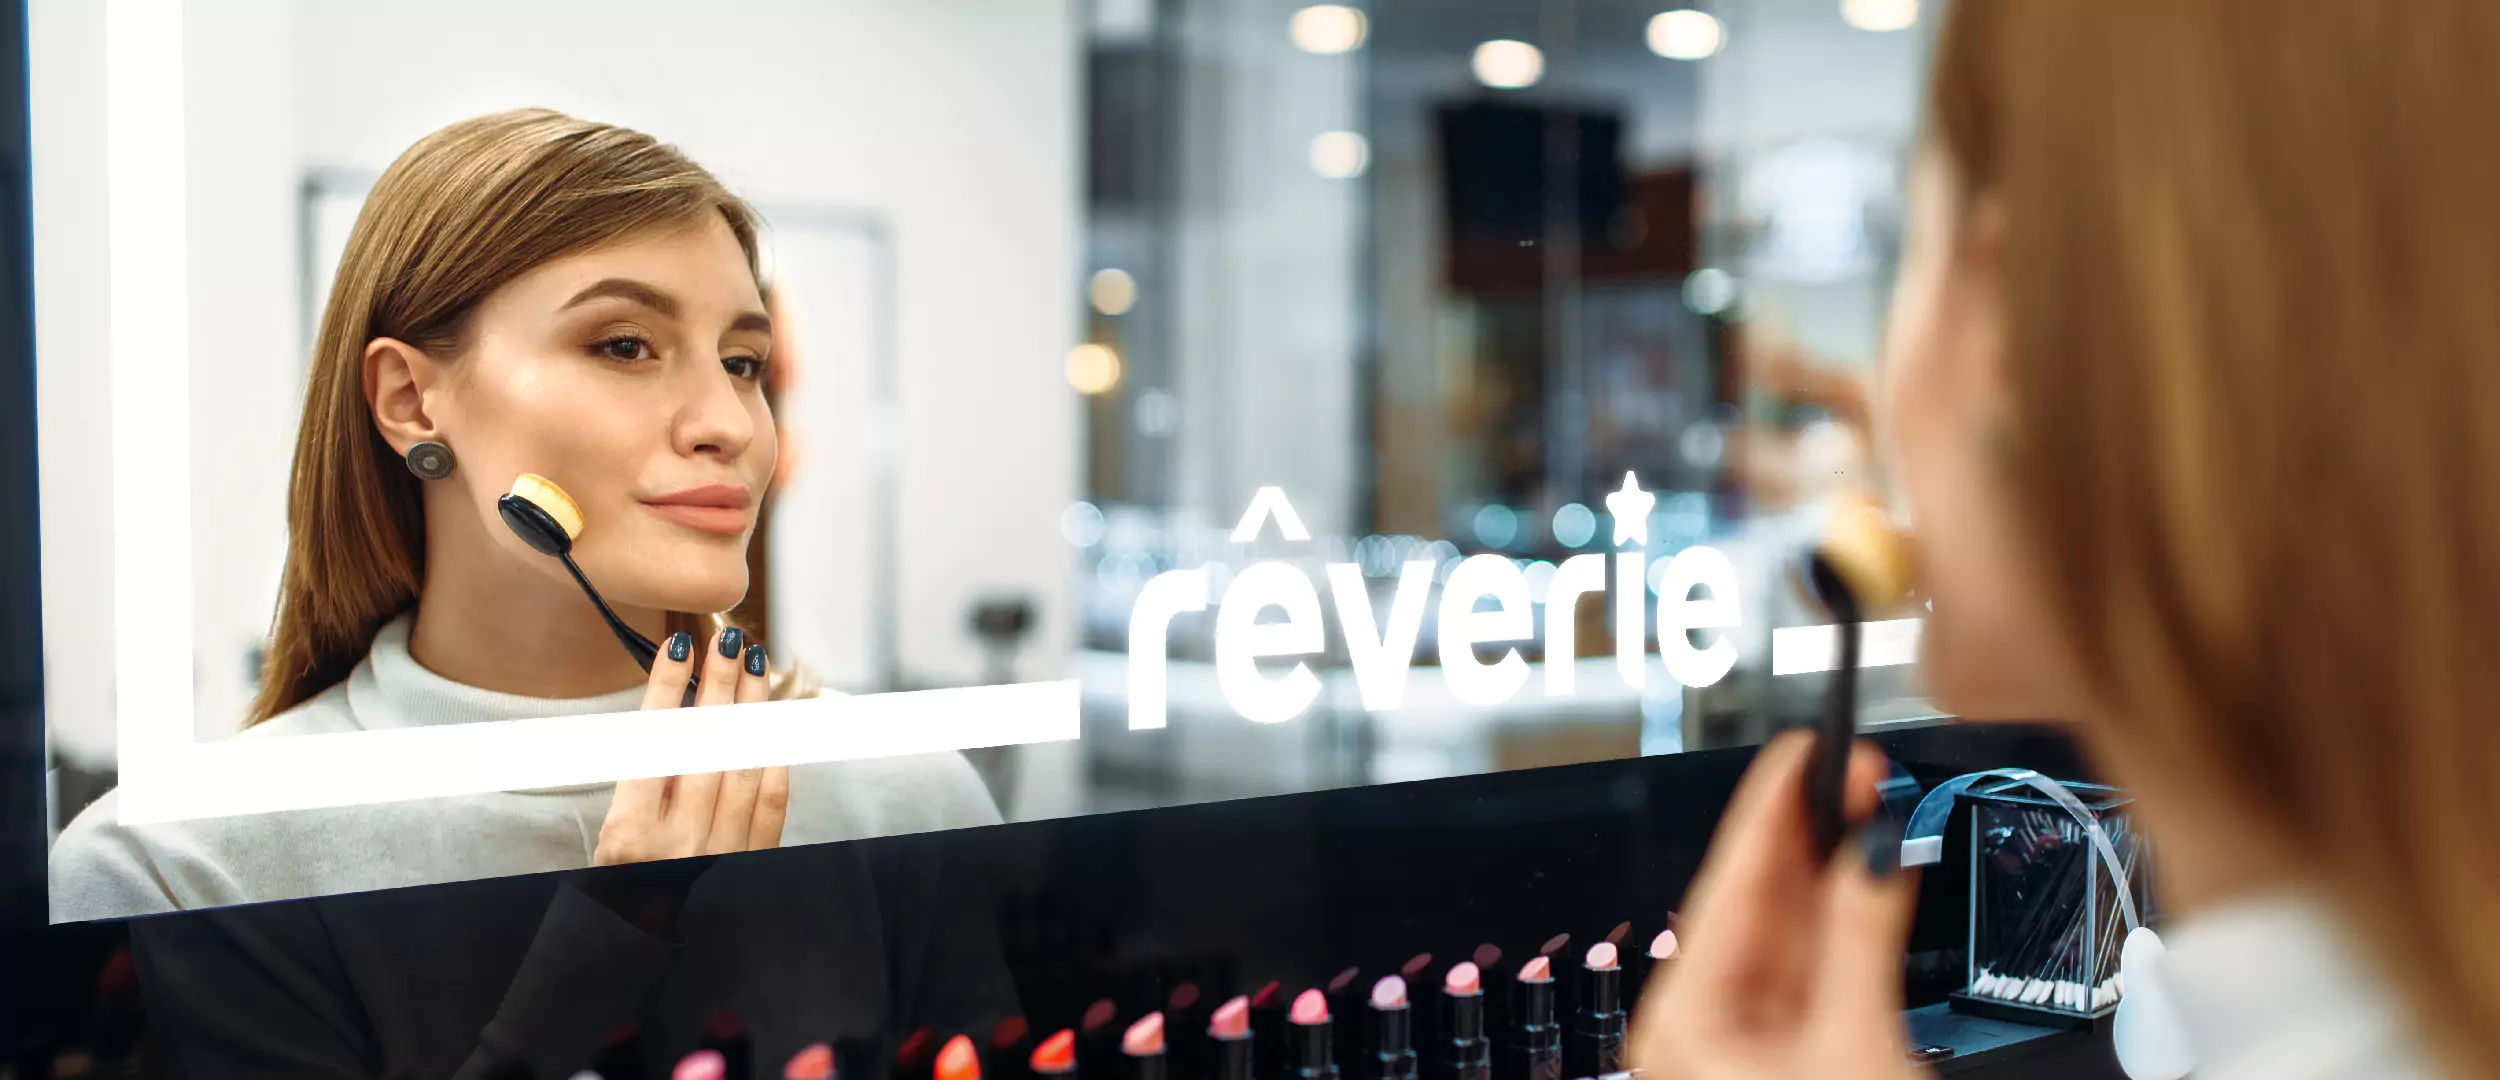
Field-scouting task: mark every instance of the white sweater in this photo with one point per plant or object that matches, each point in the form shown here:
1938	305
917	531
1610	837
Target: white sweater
102	869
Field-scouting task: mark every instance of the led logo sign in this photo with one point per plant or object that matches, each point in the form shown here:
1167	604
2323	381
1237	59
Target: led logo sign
1382	654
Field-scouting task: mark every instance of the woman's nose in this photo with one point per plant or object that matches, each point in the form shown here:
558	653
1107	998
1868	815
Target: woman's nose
715	419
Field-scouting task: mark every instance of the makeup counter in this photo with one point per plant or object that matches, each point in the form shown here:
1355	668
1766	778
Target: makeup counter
1087	943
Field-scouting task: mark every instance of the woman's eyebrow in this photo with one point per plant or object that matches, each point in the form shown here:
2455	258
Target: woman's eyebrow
658	300
629	290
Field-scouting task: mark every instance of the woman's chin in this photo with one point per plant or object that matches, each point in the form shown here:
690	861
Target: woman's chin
690	591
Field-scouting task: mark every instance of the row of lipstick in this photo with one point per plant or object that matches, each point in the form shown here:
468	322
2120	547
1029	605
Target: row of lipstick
1260	1036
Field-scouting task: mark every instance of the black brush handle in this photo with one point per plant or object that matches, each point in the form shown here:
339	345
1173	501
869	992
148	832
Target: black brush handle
1838	728
642	648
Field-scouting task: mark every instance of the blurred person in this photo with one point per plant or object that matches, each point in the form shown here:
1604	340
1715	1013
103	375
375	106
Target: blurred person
548	295
2190	371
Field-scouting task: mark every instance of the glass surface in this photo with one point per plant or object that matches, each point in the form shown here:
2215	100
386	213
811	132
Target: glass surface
1096	326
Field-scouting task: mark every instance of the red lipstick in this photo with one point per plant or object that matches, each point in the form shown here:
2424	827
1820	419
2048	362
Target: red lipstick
958	1060
719	509
1056	1057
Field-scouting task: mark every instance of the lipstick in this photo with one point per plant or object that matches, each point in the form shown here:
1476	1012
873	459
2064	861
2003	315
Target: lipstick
1228	1041
700	1065
1308	1053
1185	1031
724	1032
1010	1044
812	1062
914	1056
1097	1039
1646	964
1346	998
957	1060
1533	1048
1055	1058
1596	1044
620	1054
1393	1046
1462	1052
1142	1045
1267	1031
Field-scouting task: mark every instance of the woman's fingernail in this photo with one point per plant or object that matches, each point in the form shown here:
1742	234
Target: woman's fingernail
755	658
680	645
730	639
1880	842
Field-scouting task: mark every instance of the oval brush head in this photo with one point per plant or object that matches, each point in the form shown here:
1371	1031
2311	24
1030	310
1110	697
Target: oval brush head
1863	554
541	514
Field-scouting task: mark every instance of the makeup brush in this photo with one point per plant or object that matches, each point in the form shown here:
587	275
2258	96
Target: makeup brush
547	519
1861	565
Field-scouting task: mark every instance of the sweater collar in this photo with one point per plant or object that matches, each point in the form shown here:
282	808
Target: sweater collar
390	689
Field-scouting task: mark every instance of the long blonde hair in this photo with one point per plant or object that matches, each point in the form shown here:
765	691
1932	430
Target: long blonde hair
465	210
2249	256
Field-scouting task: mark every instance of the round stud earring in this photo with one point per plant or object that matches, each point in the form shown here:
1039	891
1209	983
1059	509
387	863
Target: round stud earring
430	460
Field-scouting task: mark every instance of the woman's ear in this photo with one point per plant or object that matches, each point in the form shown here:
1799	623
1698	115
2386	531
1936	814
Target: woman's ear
398	379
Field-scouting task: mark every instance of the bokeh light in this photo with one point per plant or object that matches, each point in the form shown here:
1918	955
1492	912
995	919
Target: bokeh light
1112	291
1880	15
1328	29
1093	368
1504	64
1685	34
1340	155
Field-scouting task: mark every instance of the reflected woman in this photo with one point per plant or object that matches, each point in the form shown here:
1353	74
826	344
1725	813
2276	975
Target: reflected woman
522	292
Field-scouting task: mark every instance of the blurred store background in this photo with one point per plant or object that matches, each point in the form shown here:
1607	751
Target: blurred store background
1071	280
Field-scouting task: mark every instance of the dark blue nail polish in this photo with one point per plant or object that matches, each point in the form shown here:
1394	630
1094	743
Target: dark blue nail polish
680	645
755	658
730	639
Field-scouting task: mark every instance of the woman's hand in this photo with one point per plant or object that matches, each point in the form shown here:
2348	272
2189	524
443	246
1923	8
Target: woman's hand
673	817
1788	969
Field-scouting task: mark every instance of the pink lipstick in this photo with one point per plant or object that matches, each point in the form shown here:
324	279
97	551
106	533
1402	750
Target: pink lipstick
1533	1050
1393	1046
1142	1045
1228	1041
1309	1054
1462	1052
1597	1025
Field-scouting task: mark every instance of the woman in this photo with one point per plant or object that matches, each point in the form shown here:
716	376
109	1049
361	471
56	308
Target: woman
2192	370
522	292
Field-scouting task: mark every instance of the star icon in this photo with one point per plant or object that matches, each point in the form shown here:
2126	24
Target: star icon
1630	508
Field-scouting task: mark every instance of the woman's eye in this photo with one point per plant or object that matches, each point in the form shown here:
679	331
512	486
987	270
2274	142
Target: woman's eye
624	348
743	367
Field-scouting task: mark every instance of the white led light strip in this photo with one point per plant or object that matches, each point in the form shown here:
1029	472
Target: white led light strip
167	776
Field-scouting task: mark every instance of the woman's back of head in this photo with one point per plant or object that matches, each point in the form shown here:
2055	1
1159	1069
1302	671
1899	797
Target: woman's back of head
2247	256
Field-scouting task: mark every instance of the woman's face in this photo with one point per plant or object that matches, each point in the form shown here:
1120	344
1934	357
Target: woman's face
632	376
1947	410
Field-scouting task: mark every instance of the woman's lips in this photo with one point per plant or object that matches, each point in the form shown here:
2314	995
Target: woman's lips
719	509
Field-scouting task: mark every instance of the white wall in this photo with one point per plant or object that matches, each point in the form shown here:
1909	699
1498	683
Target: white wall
955	121
1266	258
